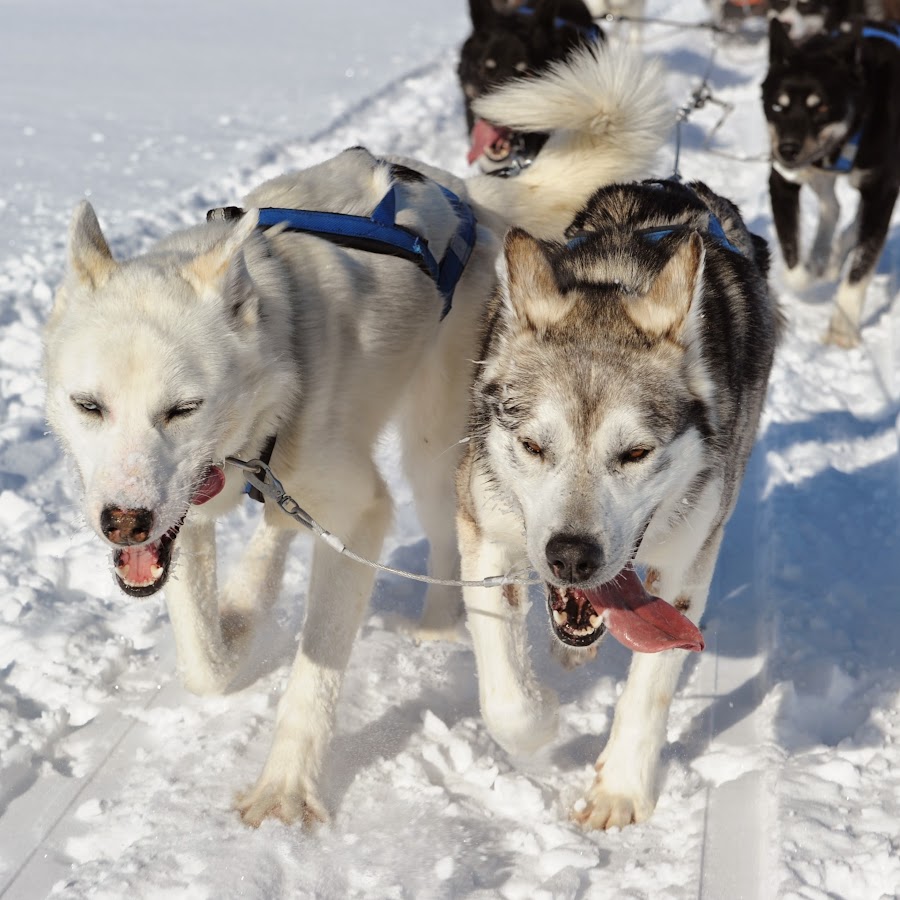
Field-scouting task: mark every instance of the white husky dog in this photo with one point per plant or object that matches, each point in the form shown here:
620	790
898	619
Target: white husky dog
227	334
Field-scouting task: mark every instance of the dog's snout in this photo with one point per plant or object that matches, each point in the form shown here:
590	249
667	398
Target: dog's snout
126	526
573	558
789	150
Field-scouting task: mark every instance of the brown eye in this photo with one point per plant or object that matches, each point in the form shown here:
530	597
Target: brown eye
635	454
532	447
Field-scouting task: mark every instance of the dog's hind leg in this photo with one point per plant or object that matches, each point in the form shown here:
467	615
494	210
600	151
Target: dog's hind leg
876	206
205	661
520	714
359	511
254	584
624	789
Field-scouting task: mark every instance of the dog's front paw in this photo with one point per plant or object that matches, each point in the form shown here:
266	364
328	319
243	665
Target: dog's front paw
276	799
604	808
520	724
798	279
841	332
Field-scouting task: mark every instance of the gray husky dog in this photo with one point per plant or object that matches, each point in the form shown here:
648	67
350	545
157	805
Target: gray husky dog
619	389
244	329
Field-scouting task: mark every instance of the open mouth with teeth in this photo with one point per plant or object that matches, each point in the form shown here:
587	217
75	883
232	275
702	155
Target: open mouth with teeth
575	620
637	619
142	569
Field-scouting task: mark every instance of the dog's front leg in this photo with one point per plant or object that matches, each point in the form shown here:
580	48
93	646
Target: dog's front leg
625	786
876	206
288	787
204	660
254	584
519	713
820	253
785	199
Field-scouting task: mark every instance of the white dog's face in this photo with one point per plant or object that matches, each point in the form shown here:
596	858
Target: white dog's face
144	361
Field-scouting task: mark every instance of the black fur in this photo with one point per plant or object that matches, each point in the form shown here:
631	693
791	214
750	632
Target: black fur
857	81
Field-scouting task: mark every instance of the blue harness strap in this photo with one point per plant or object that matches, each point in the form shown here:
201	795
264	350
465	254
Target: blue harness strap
846	158
591	32
885	31
713	226
380	233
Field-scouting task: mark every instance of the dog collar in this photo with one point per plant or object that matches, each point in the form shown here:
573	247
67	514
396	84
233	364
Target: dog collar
846	156
380	233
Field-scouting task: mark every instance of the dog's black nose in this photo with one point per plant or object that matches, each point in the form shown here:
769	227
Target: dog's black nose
126	526
789	150
573	558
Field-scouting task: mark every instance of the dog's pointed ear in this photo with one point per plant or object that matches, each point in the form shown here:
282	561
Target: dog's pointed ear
206	273
481	12
90	258
663	311
781	47
527	284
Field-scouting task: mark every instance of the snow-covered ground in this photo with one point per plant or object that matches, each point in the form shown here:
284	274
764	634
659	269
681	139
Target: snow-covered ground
782	774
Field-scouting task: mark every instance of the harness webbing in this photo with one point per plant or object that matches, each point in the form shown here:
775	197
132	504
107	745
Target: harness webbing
846	158
380	233
713	226
591	32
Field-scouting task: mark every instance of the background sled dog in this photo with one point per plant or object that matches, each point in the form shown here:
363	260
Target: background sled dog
225	335
505	45
617	398
833	108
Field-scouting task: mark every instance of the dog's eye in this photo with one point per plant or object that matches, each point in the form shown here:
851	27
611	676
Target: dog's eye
823	109
183	410
490	63
88	406
635	454
532	447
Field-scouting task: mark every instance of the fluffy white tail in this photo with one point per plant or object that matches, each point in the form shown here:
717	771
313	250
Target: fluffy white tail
608	115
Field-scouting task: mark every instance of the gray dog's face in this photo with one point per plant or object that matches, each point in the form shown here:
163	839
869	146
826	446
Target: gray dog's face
595	420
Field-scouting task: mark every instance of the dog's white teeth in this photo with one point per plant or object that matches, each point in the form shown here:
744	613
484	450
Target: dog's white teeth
596	622
560	617
156	572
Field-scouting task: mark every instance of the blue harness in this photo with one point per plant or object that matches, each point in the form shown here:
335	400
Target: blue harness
654	235
380	233
591	32
886	31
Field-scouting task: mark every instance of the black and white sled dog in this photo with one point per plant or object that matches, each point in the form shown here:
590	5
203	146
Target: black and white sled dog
523	39
617	397
293	326
833	109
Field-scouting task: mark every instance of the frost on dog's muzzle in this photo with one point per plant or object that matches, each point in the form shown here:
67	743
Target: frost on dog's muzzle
142	569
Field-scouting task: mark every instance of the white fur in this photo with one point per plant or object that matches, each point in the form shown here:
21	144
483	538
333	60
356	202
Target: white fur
287	334
609	115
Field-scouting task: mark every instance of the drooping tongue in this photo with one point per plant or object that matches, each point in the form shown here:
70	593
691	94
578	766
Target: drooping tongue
212	483
641	621
484	135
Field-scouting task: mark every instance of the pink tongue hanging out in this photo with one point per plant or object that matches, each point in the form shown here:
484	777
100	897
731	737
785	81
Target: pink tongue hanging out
485	137
212	483
639	620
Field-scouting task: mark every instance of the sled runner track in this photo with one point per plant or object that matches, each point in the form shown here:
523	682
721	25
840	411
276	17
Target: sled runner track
35	851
